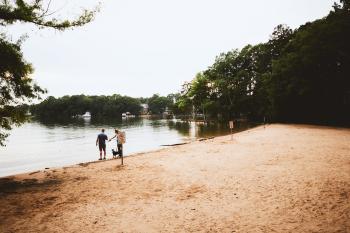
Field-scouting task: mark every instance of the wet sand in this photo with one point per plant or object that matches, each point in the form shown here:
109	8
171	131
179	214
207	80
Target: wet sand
282	178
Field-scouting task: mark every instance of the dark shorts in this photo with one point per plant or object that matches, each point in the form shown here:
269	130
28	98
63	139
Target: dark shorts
120	149
102	147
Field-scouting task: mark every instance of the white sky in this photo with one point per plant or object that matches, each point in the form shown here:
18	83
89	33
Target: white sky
138	47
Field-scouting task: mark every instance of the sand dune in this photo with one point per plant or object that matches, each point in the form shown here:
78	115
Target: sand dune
282	178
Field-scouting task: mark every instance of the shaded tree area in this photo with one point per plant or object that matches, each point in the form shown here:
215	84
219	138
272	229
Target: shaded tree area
311	80
99	106
299	75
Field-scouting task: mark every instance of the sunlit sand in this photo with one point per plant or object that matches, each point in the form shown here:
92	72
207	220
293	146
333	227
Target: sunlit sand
282	178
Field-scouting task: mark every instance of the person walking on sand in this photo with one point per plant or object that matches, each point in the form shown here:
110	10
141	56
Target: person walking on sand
119	138
101	141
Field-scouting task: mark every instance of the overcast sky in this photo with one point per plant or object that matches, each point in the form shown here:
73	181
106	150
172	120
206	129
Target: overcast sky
138	47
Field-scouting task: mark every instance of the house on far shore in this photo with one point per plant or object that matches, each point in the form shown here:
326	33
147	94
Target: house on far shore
144	109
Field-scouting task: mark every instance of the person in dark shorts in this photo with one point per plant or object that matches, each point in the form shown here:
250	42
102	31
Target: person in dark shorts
101	142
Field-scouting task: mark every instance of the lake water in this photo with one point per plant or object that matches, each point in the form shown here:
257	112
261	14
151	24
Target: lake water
38	145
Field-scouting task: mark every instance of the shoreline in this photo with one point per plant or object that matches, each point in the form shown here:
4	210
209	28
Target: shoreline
162	147
61	145
83	164
279	178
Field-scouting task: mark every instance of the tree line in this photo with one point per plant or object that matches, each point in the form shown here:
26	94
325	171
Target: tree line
98	106
300	75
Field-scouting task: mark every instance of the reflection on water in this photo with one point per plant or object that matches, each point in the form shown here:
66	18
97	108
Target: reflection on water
45	143
182	127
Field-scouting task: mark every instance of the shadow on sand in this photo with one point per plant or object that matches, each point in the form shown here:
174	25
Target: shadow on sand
9	185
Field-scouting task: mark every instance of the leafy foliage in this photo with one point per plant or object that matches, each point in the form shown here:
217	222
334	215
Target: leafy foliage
16	85
158	104
297	76
36	12
98	106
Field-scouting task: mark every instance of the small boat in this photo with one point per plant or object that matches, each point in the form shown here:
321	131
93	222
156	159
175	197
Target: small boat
87	115
127	115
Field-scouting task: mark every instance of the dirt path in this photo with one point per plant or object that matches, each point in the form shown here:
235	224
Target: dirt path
284	178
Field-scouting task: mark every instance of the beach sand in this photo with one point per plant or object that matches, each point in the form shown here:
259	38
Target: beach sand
282	178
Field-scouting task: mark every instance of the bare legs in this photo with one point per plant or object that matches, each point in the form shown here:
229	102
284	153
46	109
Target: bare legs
102	148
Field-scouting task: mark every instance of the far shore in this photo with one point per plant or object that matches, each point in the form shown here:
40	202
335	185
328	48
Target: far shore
274	178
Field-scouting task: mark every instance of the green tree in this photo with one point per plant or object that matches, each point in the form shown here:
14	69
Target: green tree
68	107
157	104
199	93
310	80
297	76
16	84
183	104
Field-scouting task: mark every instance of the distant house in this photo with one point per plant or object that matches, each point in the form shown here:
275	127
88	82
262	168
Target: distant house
144	109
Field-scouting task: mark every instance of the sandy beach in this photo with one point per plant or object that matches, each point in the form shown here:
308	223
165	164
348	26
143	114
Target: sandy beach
278	178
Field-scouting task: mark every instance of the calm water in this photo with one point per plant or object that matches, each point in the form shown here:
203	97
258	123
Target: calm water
37	145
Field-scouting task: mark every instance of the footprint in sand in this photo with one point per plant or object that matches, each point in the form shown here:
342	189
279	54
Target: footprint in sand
191	192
